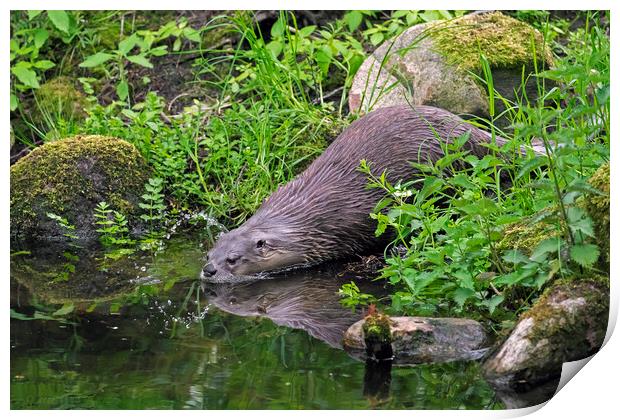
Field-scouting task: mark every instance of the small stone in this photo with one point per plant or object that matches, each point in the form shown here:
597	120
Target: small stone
416	340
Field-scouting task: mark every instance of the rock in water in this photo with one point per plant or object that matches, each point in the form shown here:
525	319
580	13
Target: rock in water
69	178
417	340
567	323
431	64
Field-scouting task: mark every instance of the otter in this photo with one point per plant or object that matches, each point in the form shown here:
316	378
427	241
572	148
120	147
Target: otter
323	213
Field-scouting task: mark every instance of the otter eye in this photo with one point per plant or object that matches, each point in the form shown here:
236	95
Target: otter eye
231	260
260	243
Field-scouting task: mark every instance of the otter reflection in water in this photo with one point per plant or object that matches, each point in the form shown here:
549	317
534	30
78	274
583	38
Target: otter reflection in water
309	301
302	300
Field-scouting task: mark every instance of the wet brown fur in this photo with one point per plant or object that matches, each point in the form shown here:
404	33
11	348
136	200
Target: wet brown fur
323	213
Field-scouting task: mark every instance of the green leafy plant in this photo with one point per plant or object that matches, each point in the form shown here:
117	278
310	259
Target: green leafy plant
132	49
29	39
69	229
353	298
153	202
113	230
450	225
139	48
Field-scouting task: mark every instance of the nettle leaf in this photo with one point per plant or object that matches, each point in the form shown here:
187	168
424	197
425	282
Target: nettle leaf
60	19
461	180
34	13
544	247
95	59
461	294
584	226
581	185
26	76
579	221
14	102
515	256
66	309
483	207
128	44
493	302
584	254
140	60
531	165
431	185
574	214
466	280
40	36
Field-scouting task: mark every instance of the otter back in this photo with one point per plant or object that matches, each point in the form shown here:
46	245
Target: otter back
323	213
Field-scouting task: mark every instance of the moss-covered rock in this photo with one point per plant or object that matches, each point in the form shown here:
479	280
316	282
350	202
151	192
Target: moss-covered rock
432	64
525	235
377	336
597	206
568	323
503	40
68	178
415	340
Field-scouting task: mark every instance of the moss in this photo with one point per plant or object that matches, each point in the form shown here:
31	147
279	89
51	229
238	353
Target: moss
60	97
69	177
524	236
504	41
377	328
109	36
578	331
597	206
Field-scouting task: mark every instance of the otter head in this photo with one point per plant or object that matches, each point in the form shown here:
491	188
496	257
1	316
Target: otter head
243	253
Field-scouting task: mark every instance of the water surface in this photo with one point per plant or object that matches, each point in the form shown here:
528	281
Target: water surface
148	335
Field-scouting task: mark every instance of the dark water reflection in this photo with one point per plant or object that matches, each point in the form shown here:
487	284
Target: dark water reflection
306	300
274	344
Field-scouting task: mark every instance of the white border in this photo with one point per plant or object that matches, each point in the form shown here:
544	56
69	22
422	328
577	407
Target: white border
592	394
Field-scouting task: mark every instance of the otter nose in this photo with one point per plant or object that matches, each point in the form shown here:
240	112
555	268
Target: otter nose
209	270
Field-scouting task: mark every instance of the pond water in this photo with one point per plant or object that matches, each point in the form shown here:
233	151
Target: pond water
146	335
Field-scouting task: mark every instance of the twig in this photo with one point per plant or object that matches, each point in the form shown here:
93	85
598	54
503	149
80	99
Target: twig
327	96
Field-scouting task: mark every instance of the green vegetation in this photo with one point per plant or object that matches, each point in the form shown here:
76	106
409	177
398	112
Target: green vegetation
473	245
260	99
272	100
